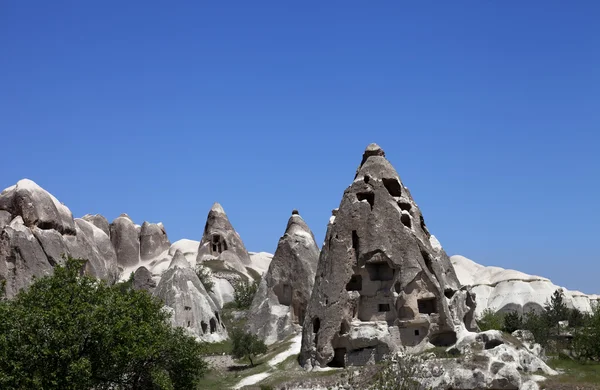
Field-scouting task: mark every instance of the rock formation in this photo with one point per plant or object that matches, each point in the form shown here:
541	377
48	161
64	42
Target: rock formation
221	242
99	221
383	281
280	303
37	232
507	290
142	280
153	240
191	306
126	241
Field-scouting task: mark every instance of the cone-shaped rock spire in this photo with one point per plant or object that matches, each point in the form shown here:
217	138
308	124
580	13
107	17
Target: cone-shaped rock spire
220	241
280	303
193	309
383	281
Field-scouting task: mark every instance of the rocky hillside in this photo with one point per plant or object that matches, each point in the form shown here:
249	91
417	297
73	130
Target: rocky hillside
504	290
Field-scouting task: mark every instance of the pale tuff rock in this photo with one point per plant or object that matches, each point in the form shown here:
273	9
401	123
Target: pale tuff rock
37	207
380	283
126	241
142	280
220	241
21	257
43	234
280	303
192	308
153	241
508	290
99	221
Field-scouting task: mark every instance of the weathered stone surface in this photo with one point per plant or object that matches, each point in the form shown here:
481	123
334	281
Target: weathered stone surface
142	280
220	241
5	218
379	264
153	241
99	221
21	257
53	245
192	308
37	207
92	244
280	303
126	241
507	290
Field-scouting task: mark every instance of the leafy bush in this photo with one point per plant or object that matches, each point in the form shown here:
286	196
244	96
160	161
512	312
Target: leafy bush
246	345
490	320
243	293
539	326
68	331
205	277
399	372
586	339
512	322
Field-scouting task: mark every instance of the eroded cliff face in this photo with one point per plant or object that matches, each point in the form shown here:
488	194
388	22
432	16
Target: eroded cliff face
280	303
383	281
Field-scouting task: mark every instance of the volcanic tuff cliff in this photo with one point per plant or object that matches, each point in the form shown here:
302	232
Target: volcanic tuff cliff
280	303
383	281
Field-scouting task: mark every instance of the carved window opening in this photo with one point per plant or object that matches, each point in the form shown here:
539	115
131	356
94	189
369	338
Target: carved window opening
427	306
380	271
213	325
406	220
368	196
204	326
355	283
339	358
393	187
384	307
218	244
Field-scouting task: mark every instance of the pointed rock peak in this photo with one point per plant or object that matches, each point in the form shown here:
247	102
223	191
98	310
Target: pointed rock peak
179	260
297	225
124	215
217	208
372	150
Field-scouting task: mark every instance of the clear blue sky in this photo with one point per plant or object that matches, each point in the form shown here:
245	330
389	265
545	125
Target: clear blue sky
489	110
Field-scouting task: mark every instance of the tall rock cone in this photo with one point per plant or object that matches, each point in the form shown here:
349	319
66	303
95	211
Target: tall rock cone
220	241
280	303
383	281
192	308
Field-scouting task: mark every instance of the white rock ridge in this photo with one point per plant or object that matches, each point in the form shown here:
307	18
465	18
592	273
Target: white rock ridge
505	290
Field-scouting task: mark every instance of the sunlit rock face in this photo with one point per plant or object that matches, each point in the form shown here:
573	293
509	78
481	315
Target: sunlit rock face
280	303
191	306
383	281
37	232
507	290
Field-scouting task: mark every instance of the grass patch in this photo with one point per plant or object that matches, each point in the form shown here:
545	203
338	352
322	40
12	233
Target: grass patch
574	373
219	348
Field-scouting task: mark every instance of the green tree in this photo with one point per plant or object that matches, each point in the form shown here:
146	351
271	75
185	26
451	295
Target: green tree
586	339
539	326
512	322
205	277
556	309
490	320
246	345
243	293
71	331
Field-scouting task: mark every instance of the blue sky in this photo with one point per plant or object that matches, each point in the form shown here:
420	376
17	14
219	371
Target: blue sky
490	112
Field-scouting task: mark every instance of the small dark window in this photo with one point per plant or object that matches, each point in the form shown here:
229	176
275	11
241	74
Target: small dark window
213	325
427	306
416	332
384	307
188	308
355	283
189	324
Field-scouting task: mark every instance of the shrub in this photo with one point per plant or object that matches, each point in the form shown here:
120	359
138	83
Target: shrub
399	372
205	277
512	322
68	331
491	320
243	293
539	326
586	339
246	345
